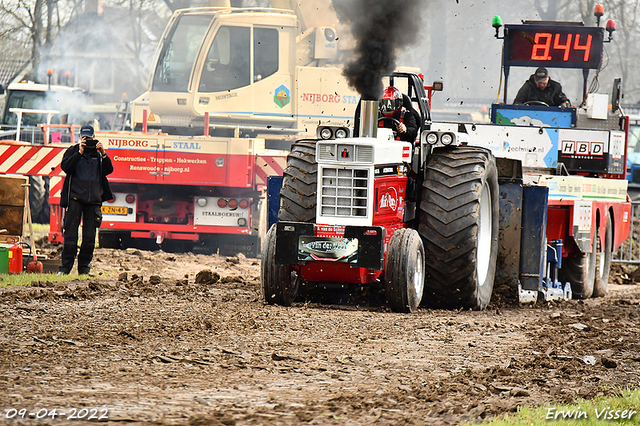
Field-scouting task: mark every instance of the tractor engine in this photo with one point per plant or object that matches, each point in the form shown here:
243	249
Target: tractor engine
362	181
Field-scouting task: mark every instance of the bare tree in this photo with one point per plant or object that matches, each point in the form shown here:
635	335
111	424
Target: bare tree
623	52
34	24
552	10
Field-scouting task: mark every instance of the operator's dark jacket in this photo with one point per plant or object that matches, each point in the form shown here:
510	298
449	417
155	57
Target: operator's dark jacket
409	118
85	181
552	95
406	117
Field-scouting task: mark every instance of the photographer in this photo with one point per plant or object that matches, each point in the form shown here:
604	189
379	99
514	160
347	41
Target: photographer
85	188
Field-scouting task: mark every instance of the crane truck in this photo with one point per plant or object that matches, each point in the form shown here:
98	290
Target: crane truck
536	199
269	73
227	83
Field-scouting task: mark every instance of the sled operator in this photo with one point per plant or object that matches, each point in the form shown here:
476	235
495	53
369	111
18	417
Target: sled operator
539	88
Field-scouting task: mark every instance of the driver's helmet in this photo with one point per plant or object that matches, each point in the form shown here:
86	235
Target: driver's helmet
391	101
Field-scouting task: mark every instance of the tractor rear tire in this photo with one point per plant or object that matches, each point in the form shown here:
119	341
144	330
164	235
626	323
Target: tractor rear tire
299	186
280	283
404	271
459	227
603	260
580	271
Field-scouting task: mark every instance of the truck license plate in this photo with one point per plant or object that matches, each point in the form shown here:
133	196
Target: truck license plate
327	248
119	210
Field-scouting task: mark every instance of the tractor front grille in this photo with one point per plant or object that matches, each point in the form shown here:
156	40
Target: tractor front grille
344	192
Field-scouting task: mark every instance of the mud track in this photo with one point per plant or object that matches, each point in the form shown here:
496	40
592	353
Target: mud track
155	347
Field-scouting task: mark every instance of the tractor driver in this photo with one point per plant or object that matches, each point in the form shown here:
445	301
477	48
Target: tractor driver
539	88
395	116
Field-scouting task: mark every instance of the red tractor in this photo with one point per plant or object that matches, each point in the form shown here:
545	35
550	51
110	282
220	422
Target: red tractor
358	210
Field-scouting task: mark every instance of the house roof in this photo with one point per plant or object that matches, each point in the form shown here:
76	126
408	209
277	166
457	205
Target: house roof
10	68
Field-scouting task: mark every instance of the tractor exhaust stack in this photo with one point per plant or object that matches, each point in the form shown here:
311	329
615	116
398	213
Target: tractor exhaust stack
368	119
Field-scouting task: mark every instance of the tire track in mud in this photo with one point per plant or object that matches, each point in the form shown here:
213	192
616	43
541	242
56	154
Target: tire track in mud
170	351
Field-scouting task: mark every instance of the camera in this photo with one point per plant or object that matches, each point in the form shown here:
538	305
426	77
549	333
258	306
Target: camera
91	143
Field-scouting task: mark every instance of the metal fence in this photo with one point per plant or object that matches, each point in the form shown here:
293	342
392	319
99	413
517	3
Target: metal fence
629	252
36	134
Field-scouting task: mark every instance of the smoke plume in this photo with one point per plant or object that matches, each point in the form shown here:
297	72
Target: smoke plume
380	28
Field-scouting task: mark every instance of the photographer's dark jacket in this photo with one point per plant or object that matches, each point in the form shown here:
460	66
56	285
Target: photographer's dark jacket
86	179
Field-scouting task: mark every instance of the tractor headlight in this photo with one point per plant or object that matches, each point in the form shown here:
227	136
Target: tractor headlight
432	138
341	133
326	133
446	138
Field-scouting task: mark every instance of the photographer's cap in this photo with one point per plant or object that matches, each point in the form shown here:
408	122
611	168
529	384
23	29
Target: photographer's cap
541	74
86	131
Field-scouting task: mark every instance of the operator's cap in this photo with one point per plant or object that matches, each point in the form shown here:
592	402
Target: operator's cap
86	131
541	74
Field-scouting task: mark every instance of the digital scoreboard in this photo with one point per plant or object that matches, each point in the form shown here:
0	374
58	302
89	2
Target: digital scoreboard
554	46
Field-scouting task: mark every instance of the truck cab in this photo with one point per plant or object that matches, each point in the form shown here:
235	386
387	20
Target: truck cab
250	71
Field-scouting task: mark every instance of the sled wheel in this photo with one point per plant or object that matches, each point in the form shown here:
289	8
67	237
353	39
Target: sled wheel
580	271
404	271
603	260
299	185
459	227
280	283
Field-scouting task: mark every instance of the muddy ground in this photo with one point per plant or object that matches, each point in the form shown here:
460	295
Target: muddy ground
146	344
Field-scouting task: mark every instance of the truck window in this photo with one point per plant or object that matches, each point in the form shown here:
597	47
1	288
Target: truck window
634	137
28	100
179	53
227	64
265	50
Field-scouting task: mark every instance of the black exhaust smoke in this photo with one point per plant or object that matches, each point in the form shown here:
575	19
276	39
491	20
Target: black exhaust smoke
380	28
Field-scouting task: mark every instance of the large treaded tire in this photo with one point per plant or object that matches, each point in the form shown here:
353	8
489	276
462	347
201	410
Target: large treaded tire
459	227
299	186
580	271
603	260
404	271
280	283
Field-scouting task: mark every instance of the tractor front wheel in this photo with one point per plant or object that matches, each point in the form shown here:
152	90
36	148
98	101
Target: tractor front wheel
280	283
404	271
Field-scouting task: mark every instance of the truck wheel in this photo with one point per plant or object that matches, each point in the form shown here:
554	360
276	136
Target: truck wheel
459	227
404	271
280	284
39	199
603	260
580	271
112	240
299	186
